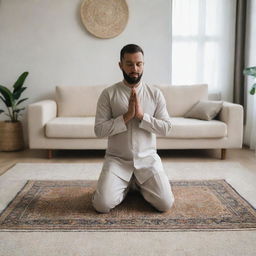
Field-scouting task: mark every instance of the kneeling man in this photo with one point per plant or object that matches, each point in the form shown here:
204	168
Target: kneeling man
131	113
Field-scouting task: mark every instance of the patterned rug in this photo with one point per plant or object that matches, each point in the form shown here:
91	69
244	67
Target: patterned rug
66	205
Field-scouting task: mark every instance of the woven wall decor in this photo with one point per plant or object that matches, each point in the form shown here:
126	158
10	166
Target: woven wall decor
104	18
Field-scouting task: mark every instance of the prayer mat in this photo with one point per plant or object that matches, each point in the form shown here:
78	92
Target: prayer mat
44	205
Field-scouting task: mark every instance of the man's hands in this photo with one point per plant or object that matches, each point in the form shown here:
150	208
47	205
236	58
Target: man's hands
134	109
138	108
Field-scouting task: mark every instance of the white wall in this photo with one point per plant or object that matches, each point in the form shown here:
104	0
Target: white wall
250	136
47	39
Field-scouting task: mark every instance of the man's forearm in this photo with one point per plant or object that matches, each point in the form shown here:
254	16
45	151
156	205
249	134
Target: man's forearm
158	126
106	128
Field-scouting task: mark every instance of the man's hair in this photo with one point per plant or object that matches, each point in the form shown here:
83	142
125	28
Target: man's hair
130	48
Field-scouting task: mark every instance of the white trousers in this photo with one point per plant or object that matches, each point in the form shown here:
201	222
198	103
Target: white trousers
111	191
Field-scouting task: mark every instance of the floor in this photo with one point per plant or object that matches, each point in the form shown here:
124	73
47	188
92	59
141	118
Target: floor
244	156
230	243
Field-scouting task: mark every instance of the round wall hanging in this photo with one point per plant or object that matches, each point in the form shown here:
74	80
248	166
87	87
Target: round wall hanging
104	18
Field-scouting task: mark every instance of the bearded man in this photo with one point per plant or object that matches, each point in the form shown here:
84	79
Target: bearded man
130	113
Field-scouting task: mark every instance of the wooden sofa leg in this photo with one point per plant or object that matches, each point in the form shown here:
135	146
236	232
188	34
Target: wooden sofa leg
49	152
223	153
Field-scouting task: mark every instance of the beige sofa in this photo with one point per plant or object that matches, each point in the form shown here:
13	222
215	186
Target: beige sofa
68	121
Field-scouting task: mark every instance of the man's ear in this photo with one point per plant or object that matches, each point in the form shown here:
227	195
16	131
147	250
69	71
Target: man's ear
120	65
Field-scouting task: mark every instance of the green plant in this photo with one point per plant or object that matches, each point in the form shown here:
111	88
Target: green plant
251	71
12	100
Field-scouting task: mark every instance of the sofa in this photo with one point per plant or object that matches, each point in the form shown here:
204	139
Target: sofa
67	122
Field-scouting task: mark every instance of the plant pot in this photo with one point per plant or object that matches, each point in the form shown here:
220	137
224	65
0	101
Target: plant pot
11	136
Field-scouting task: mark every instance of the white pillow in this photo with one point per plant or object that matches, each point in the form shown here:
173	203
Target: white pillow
205	110
77	101
181	98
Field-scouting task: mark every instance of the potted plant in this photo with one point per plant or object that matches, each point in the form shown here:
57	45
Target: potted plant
251	71
11	132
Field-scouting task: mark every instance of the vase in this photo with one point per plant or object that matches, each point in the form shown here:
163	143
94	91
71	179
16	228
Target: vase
11	136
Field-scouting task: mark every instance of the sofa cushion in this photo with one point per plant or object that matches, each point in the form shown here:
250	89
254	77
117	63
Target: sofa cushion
205	110
179	99
70	127
77	101
187	128
184	128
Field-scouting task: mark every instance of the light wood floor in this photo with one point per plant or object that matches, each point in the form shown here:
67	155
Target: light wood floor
244	156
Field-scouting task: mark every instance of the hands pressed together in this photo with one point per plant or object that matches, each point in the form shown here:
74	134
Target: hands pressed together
134	109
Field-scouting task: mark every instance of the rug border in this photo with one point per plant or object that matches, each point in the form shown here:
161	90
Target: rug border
235	190
14	197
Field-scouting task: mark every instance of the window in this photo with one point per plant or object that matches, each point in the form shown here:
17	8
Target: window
203	37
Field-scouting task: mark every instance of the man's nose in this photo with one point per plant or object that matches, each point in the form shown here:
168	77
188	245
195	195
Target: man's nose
134	68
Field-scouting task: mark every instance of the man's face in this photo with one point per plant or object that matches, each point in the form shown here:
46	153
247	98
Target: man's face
132	65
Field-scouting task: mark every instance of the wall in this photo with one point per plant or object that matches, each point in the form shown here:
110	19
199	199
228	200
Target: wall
249	136
47	39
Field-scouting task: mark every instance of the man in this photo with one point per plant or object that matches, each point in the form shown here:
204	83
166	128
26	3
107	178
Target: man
131	113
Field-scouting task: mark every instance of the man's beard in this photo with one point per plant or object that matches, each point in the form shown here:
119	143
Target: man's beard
132	80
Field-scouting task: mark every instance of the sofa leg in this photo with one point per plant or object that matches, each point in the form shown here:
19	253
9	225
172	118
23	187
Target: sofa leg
223	153
49	152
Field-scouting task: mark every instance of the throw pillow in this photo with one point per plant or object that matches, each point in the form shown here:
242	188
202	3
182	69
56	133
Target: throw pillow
205	110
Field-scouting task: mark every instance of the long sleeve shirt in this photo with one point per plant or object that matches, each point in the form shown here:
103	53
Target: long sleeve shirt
132	146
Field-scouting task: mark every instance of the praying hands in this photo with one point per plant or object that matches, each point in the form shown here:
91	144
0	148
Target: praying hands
134	109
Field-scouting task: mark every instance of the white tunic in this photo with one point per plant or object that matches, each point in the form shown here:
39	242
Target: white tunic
132	146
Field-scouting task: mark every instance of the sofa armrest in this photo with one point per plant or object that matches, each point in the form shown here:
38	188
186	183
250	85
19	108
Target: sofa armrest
39	114
232	115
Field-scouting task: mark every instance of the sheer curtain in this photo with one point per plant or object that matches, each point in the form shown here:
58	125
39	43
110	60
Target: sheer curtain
250	126
203	39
